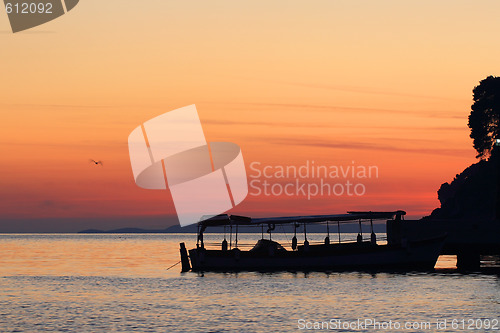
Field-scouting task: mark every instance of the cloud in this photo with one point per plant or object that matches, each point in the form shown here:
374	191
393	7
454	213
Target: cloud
355	109
97	144
367	146
369	90
55	106
54	205
353	89
326	125
47	203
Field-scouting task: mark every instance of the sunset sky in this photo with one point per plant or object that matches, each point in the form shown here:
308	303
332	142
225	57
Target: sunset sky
383	83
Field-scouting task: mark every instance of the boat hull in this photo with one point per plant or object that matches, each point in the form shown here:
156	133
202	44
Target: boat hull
415	255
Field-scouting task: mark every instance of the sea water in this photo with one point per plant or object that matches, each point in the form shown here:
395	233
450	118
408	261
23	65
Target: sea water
122	283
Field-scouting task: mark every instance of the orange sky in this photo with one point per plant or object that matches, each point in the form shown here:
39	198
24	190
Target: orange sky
384	83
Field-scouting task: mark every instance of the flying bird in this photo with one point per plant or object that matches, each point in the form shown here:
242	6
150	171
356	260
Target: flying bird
96	162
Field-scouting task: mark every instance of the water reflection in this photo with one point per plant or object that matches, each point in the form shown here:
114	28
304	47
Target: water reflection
121	283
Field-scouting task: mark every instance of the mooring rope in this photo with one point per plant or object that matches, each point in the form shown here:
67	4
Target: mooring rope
177	263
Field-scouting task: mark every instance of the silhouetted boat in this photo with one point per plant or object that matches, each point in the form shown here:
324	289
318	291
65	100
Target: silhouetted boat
268	255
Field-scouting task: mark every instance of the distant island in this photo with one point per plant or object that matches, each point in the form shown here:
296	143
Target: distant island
177	229
172	229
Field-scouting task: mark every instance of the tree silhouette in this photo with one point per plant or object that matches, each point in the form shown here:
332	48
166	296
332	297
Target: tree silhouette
484	119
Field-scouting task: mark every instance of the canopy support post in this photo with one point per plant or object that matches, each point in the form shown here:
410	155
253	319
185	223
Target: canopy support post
327	239
338	229
306	242
373	237
359	239
230	236
197	235
236	238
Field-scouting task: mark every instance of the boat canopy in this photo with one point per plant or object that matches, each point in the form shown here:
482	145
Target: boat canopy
225	219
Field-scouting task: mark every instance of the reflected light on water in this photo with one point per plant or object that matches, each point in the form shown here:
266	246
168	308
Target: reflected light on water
83	255
116	283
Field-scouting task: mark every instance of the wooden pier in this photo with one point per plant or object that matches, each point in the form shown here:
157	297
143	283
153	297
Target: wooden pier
467	239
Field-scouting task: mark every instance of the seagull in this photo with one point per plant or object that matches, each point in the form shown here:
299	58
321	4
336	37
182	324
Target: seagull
96	162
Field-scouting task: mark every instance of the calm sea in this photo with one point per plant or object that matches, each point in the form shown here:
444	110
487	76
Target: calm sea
120	283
